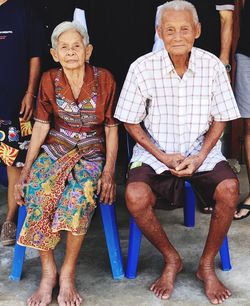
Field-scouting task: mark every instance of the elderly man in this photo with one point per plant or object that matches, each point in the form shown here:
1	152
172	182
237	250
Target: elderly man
175	103
217	40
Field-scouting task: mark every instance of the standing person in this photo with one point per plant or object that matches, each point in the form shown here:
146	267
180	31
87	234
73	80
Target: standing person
175	104
70	160
216	39
20	50
242	94
51	13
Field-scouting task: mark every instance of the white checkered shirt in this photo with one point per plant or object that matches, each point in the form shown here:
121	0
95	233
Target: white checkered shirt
177	112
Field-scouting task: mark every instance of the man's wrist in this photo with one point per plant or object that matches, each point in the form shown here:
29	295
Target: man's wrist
201	156
228	67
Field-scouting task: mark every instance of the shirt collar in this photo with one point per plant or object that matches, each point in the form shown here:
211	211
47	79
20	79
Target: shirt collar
169	65
65	89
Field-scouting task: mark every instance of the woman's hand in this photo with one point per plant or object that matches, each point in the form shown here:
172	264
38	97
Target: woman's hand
20	185
106	188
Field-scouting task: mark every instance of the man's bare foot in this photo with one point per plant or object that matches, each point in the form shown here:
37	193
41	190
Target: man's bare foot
43	295
216	292
164	286
68	294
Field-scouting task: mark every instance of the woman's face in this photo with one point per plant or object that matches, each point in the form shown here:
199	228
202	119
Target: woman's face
71	52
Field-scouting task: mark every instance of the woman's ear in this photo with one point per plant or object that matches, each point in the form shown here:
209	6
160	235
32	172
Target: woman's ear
54	54
89	50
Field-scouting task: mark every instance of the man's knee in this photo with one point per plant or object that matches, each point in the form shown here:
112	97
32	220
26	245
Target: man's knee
139	197
227	192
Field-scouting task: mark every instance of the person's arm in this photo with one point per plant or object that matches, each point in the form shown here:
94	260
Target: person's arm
192	163
139	135
27	106
106	184
39	133
226	20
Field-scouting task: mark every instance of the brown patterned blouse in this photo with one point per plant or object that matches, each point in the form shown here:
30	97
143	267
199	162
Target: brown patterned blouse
76	122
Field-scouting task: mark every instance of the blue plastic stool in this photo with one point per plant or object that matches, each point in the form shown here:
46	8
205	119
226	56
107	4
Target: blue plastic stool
135	237
189	207
112	239
111	235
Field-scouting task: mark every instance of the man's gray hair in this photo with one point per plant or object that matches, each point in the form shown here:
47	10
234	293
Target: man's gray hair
177	5
66	26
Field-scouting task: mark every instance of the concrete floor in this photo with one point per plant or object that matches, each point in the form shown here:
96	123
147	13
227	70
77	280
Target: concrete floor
94	276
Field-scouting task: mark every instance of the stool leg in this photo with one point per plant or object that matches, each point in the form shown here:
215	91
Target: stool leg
189	206
225	256
19	251
135	237
112	239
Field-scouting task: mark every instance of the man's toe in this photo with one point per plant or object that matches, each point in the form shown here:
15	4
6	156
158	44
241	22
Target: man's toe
165	295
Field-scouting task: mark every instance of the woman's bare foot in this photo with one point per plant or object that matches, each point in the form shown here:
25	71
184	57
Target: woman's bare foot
43	295
164	286
68	294
216	292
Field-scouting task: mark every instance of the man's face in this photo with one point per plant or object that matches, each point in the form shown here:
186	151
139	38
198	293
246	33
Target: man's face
71	51
178	32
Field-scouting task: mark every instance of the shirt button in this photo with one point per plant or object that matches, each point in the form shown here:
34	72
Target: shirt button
46	26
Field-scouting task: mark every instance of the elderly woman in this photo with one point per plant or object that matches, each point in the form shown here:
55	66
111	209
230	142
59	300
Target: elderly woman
75	128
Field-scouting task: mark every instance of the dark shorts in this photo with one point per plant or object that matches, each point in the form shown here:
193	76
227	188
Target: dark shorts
169	188
15	136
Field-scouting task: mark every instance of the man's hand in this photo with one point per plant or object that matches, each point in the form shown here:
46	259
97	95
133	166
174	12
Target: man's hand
172	160
19	187
188	166
27	107
106	187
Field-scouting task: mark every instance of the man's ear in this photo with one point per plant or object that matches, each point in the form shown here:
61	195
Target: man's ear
89	50
54	54
197	30
159	31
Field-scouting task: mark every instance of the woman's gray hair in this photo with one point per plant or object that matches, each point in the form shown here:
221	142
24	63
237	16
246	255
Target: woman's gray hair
66	26
177	5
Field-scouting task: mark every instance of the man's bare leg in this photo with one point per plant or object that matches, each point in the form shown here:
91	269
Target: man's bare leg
68	294
140	201
43	295
226	196
246	121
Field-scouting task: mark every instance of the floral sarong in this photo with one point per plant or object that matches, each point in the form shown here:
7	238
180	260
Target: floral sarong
60	195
